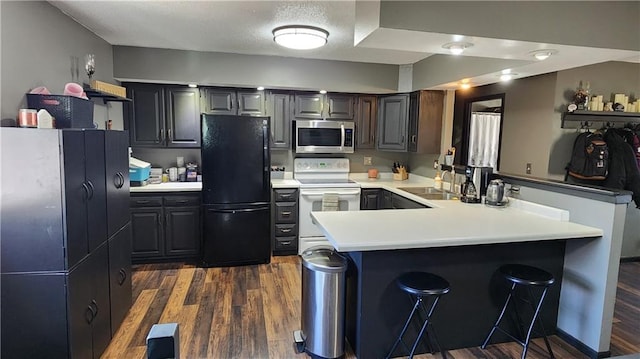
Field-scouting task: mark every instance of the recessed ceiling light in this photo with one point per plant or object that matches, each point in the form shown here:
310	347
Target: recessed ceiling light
323	91
506	71
465	86
543	54
508	76
300	37
260	88
193	85
456	48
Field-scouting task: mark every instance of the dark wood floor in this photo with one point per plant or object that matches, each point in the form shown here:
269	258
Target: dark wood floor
252	311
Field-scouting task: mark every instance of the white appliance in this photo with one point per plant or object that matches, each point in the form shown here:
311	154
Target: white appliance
324	186
324	136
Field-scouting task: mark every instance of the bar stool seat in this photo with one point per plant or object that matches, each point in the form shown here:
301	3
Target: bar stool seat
528	277
421	286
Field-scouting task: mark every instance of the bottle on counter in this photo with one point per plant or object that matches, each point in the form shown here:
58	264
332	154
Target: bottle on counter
438	181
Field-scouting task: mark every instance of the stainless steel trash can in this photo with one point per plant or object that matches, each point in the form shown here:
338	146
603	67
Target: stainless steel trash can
323	302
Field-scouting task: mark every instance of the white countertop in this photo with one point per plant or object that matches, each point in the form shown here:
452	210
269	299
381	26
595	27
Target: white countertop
453	224
447	223
169	187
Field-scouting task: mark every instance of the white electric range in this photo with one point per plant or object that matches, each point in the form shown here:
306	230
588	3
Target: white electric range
324	186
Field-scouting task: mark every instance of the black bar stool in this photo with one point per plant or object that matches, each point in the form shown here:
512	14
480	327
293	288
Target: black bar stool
529	277
421	286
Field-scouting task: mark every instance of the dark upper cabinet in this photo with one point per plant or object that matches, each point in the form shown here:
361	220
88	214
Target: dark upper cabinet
323	106
161	116
219	101
145	115
308	105
425	121
279	109
392	126
183	117
366	118
251	103
117	180
339	107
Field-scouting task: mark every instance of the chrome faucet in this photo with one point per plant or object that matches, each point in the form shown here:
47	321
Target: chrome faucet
453	178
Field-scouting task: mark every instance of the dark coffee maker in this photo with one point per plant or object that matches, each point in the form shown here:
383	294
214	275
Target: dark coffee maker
475	185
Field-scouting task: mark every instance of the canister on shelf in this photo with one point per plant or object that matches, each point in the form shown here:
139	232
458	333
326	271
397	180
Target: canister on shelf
27	117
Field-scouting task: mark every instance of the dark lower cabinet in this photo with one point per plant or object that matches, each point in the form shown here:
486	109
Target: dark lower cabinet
376	198
182	231
370	199
284	221
165	227
120	276
148	234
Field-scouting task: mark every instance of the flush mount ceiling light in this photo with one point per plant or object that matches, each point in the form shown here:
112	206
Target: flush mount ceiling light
456	48
300	37
543	54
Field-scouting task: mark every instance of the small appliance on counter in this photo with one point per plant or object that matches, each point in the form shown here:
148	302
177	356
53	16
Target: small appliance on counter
139	172
496	194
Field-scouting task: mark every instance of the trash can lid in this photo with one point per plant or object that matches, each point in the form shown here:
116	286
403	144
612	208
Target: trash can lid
324	259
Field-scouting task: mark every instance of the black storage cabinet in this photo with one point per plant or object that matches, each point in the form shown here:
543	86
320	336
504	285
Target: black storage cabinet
66	283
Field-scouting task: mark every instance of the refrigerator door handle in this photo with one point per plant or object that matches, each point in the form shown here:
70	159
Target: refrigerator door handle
239	210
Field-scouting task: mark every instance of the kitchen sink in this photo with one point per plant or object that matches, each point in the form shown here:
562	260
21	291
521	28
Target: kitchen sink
431	193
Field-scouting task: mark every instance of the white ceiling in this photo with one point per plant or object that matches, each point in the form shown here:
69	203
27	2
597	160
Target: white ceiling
245	27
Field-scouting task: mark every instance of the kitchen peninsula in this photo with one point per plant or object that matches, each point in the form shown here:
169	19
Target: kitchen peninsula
466	244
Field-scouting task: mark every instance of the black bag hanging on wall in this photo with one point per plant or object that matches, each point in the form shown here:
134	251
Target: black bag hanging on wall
590	157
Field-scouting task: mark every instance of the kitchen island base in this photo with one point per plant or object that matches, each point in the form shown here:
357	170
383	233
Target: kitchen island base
376	308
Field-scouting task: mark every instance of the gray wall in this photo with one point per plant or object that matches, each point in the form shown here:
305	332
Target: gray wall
223	69
38	42
532	123
606	24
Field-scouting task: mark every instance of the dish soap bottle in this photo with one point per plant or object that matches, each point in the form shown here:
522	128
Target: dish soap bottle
438	181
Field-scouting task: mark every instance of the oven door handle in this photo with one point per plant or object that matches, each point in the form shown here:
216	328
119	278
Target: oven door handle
321	193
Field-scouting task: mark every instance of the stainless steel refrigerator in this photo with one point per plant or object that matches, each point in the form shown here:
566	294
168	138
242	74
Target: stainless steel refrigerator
235	190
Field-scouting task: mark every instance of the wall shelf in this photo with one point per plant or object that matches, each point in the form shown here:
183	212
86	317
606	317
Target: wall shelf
106	97
577	119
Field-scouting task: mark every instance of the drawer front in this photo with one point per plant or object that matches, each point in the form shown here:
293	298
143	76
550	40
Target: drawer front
286	243
189	201
286	212
287	229
286	194
145	201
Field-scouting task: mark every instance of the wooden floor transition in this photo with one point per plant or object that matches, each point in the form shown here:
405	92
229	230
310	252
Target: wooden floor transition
252	311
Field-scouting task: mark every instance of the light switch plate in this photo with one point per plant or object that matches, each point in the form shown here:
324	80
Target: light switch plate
367	161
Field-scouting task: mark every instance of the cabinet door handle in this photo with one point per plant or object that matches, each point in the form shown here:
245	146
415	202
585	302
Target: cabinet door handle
119	181
182	201
286	213
140	201
413	139
89	314
170	136
123	276
285	196
285	243
86	190
285	230
162	135
402	139
91	189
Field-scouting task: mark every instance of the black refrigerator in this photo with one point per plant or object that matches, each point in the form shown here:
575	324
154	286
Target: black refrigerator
235	190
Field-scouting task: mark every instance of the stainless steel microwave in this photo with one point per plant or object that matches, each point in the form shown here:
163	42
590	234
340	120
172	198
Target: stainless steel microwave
324	136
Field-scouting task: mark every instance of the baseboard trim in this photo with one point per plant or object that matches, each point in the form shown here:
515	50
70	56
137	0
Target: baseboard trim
629	259
581	346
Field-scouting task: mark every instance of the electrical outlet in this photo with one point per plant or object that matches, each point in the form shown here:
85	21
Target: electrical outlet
367	161
528	168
